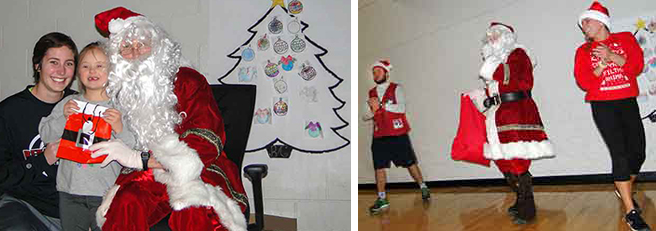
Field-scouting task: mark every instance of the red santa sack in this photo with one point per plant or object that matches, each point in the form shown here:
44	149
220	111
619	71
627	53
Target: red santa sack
468	143
82	130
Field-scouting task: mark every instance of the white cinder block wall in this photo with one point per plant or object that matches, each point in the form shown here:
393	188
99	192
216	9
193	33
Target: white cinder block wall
312	188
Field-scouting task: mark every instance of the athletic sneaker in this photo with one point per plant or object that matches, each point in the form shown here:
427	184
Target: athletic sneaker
635	203
379	205
635	221
425	193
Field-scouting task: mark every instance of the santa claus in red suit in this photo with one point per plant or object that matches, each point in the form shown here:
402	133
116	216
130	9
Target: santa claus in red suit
514	130
178	166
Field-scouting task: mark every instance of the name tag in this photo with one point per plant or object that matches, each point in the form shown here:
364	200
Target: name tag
397	123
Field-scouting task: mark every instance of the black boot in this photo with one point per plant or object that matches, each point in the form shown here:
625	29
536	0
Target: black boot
513	182
525	202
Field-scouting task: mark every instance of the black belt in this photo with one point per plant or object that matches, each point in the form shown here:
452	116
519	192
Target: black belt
506	97
74	137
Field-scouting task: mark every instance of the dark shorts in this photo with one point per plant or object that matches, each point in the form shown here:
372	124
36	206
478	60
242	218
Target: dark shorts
397	149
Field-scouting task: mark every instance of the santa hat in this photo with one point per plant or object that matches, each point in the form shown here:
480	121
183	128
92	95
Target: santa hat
493	24
596	12
114	20
385	64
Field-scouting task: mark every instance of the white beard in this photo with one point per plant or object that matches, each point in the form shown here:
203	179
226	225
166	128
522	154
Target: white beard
146	99
502	47
498	50
142	89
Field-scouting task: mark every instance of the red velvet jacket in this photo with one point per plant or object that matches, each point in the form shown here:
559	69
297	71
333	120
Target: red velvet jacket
201	114
197	172
518	120
195	98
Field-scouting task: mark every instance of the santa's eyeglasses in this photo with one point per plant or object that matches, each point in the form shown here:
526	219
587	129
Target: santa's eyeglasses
130	47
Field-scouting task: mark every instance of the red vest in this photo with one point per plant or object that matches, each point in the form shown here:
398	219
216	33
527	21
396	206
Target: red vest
388	123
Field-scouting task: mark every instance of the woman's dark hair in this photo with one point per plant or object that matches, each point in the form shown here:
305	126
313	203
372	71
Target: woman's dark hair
50	40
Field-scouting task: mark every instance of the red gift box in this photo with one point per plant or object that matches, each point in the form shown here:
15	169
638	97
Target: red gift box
83	129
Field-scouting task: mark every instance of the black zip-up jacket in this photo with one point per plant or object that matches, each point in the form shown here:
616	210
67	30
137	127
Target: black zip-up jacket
24	171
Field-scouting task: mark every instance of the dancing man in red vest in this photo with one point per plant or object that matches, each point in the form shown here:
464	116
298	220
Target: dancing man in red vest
514	129
391	142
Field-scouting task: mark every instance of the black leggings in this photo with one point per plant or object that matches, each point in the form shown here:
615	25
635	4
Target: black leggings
621	128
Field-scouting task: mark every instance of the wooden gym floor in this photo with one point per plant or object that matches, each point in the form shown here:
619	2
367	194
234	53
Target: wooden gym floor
559	207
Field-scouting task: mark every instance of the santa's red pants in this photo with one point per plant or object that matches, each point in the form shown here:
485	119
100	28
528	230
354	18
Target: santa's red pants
514	166
143	202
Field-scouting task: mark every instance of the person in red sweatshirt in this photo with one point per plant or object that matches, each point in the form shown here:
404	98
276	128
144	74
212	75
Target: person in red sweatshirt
606	67
386	107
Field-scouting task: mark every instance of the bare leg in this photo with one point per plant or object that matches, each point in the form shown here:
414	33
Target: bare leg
415	172
381	179
624	187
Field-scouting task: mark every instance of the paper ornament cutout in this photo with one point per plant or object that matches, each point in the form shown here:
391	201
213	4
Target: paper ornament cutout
280	46
294	26
247	74
275	26
309	94
314	129
263	43
287	63
271	69
248	54
280	85
307	72
295	7
281	107
262	116
298	44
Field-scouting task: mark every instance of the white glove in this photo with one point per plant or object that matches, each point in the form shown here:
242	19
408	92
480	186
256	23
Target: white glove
489	66
117	150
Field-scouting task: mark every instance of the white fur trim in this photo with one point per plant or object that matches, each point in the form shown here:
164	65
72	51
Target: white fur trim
491	121
379	64
184	185
596	15
104	206
489	66
495	150
531	150
118	24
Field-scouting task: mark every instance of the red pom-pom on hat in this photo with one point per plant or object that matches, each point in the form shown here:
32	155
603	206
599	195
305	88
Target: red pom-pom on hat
103	19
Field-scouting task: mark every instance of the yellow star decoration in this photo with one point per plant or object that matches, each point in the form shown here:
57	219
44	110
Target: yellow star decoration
640	24
278	2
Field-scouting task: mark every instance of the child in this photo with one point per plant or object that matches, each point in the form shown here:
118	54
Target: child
81	186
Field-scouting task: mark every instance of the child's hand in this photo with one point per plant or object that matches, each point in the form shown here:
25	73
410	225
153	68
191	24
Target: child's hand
113	117
70	108
51	152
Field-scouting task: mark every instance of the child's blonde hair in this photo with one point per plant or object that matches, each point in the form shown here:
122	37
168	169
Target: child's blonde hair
97	45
